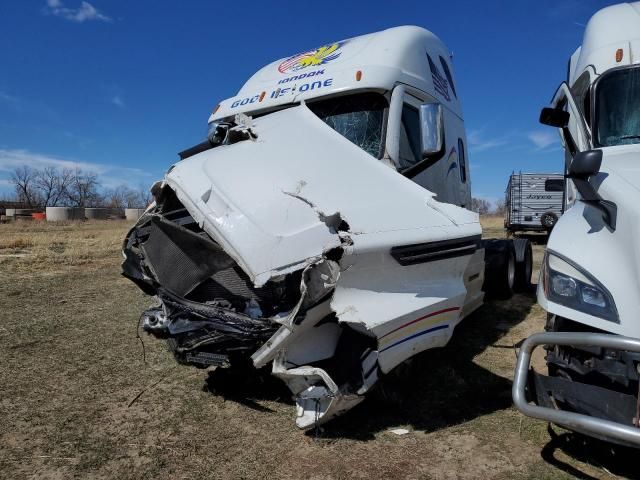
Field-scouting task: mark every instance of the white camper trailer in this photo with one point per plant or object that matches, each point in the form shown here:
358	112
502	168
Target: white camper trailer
590	278
533	202
322	227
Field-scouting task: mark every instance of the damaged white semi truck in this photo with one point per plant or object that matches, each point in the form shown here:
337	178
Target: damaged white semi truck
590	278
321	227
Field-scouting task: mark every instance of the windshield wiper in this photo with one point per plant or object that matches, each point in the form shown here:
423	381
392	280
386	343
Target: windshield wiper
628	137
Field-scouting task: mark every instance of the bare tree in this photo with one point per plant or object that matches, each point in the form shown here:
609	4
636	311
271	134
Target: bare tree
480	205
125	197
144	196
52	185
83	189
500	207
116	197
23	179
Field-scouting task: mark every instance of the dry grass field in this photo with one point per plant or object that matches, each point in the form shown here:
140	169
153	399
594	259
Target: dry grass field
78	399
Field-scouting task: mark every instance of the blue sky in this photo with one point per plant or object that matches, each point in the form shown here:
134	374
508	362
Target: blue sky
118	87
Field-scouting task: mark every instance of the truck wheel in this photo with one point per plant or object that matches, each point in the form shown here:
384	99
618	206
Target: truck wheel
548	220
499	269
524	264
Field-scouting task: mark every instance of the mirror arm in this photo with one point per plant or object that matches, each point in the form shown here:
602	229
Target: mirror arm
589	196
419	167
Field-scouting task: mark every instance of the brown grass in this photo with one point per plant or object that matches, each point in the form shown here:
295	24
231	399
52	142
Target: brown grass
15	243
70	364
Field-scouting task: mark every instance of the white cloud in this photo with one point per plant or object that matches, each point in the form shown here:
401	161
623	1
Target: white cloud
109	175
479	143
84	13
10	101
543	138
117	101
5	97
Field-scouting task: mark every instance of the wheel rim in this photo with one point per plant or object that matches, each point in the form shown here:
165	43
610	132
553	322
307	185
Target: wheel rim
548	221
511	271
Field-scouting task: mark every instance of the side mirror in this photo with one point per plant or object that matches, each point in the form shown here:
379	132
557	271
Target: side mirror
431	129
554	117
585	164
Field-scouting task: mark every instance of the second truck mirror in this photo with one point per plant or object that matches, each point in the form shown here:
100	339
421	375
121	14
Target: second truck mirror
431	129
554	117
585	164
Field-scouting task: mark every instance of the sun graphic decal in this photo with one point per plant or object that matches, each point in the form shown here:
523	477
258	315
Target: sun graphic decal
312	58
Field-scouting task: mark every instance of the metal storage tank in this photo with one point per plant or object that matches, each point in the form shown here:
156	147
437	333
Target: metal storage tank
96	213
59	214
133	213
117	212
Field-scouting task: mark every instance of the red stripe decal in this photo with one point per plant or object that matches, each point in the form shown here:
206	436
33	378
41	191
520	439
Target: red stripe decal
452	309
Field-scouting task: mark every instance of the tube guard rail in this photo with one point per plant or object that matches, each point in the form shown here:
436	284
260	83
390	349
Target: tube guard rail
574	421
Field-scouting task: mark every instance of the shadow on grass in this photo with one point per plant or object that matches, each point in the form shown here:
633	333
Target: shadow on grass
246	386
614	459
434	390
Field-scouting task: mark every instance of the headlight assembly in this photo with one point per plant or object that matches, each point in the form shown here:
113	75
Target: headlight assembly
567	284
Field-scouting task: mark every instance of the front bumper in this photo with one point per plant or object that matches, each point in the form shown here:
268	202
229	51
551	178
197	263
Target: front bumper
603	428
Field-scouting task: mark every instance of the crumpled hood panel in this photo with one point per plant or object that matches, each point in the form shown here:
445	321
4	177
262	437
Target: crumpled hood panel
275	202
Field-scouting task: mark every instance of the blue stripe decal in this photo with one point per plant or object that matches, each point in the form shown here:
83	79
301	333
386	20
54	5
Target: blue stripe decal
415	335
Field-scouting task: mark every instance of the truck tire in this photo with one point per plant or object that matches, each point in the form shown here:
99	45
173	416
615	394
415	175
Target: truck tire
548	220
499	268
524	264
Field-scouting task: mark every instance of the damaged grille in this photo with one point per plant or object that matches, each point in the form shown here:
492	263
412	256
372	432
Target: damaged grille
233	285
210	309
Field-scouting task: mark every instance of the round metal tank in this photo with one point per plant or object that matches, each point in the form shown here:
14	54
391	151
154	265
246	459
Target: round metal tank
60	214
96	213
133	213
116	212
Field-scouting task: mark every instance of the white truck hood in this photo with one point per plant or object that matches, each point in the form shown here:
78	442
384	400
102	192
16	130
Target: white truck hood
300	189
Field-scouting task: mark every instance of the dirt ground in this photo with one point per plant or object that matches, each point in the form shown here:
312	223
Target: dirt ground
79	400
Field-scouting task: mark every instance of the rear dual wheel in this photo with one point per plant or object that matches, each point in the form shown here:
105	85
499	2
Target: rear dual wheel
499	268
508	267
524	264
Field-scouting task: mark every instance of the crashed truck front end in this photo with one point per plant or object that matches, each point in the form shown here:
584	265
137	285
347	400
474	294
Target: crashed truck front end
292	246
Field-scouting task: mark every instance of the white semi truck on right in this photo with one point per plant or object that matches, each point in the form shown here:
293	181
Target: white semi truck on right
590	277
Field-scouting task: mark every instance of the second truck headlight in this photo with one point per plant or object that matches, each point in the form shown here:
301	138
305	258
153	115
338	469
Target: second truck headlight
567	284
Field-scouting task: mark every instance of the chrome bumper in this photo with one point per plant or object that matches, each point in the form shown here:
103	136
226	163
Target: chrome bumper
597	427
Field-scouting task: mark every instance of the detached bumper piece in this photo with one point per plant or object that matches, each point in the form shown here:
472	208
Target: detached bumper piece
602	410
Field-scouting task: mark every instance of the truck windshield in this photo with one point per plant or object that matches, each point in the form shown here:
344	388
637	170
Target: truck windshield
618	108
359	118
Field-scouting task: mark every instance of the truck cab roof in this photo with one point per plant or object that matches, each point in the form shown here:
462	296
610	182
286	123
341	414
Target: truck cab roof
408	54
611	39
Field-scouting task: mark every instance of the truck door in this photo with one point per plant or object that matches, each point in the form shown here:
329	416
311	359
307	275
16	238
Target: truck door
445	175
576	136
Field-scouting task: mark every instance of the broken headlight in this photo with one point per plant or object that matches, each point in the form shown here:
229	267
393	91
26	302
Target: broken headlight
567	284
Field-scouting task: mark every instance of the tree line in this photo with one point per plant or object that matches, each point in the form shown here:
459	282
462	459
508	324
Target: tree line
485	207
71	187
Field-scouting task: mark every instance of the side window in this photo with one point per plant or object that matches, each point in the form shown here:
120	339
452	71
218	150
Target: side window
409	137
554	185
447	73
462	161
